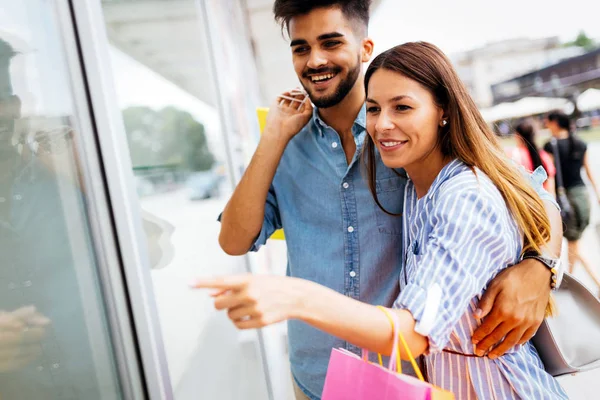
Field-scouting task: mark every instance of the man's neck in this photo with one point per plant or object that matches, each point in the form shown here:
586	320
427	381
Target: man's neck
564	134
341	116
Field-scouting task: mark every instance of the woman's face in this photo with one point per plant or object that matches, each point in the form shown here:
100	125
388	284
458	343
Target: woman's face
402	119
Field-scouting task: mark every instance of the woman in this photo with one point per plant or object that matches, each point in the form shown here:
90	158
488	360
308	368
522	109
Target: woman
573	155
468	214
529	156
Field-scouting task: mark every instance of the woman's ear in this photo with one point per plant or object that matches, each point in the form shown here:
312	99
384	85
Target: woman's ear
444	119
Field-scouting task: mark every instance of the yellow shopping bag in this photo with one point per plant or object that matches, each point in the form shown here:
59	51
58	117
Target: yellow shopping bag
262	112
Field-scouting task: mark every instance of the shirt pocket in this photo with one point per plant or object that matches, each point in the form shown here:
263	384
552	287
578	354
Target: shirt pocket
390	194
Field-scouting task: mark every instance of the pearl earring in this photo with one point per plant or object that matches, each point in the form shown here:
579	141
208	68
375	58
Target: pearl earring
444	122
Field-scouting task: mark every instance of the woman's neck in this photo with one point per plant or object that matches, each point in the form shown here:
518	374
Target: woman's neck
423	173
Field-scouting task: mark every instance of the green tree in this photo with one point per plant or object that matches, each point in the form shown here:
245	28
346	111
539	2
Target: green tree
167	137
583	40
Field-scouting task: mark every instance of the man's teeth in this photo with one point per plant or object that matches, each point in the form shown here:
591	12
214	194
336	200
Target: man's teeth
391	144
317	78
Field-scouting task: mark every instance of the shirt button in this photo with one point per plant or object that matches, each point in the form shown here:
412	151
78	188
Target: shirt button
352	274
350	229
334	145
18	197
345	185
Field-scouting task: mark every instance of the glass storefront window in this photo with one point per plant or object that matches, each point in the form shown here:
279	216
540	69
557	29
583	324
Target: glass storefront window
54	337
166	91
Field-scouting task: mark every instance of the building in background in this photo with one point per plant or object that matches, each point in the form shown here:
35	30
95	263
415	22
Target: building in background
567	78
481	68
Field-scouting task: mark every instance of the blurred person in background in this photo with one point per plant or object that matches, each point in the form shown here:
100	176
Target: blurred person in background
306	177
527	154
573	156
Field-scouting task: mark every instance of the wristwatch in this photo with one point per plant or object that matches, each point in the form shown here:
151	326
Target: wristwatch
553	264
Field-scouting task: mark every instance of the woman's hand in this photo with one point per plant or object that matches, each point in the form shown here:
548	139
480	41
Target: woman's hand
255	301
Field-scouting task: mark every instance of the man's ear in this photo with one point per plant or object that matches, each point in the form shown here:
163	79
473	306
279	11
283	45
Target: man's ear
367	49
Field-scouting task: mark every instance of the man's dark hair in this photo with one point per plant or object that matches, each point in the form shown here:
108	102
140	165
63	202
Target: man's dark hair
355	10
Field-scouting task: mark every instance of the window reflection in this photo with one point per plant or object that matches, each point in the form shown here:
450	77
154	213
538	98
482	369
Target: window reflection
53	338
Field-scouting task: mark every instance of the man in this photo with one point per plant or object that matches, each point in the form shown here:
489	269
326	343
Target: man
306	177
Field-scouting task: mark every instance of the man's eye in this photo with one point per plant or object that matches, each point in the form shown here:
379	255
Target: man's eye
301	49
332	43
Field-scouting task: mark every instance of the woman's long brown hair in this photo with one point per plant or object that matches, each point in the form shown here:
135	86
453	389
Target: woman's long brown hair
466	137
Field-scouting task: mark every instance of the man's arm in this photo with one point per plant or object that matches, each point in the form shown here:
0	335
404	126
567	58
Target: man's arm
243	217
514	305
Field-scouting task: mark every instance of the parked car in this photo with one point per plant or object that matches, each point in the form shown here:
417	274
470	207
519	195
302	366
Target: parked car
203	185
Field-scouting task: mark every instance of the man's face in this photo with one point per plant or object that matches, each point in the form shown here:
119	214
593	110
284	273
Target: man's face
327	54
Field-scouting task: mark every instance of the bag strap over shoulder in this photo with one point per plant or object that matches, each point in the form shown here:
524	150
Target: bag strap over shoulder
559	180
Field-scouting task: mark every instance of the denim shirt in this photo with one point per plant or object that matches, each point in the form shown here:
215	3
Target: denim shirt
336	234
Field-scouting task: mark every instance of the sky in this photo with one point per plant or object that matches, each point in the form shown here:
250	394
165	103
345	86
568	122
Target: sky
460	25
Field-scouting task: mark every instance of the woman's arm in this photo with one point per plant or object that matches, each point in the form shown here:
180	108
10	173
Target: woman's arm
358	323
256	301
551	184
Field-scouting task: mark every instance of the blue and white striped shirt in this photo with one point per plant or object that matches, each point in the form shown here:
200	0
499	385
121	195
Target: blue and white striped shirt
457	238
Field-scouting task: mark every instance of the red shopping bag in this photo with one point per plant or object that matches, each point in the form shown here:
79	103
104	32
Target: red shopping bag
350	377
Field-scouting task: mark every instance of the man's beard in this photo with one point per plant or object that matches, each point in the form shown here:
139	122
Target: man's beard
340	92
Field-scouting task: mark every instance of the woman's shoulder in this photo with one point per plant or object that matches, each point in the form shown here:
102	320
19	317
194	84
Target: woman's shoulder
468	182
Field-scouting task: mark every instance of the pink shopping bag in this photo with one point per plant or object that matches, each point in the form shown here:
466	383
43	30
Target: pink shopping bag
350	377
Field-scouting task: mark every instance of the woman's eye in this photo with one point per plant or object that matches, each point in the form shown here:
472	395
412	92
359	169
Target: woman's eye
402	108
372	109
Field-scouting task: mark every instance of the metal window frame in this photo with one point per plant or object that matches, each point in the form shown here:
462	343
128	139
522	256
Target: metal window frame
205	21
100	223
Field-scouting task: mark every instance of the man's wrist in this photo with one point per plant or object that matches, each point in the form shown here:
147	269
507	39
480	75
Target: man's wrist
274	140
550	264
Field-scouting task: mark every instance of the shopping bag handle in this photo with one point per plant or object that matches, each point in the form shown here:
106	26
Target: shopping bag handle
395	362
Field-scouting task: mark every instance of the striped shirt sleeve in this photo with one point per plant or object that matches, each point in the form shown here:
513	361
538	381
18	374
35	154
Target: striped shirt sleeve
464	249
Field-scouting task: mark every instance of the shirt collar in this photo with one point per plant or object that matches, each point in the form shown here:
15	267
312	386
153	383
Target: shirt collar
359	123
446	173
